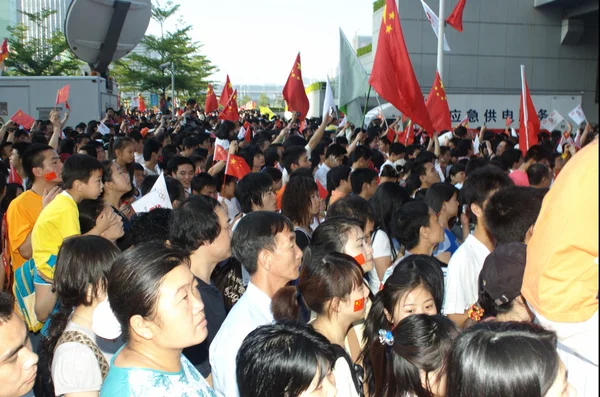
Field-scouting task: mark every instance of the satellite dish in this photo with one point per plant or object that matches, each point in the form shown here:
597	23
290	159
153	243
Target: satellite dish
101	31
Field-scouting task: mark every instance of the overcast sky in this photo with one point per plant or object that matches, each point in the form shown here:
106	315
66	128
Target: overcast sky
270	33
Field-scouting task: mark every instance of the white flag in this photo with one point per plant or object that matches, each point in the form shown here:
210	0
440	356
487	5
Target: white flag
435	24
577	115
552	121
103	129
158	197
329	102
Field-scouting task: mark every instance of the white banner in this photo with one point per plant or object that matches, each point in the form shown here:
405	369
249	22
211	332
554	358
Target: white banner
435	24
551	122
103	129
577	115
158	197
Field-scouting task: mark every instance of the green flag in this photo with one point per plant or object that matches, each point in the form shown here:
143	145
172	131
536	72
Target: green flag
353	81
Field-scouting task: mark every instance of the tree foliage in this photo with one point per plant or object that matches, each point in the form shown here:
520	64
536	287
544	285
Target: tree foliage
142	72
263	100
41	55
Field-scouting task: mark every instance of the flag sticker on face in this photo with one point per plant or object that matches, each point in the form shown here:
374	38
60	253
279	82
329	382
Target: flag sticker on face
360	258
359	304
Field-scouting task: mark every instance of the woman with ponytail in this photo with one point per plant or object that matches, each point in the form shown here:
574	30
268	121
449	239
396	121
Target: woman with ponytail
78	358
415	287
331	285
410	361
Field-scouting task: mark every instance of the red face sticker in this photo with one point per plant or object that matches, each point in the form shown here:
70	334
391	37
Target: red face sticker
50	176
360	258
359	304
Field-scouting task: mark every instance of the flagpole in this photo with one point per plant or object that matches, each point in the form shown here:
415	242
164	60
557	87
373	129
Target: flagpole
381	110
362	125
524	116
440	49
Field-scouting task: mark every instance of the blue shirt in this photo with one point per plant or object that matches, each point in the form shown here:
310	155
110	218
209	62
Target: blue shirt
138	382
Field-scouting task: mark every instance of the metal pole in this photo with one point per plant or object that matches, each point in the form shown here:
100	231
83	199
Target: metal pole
440	50
173	84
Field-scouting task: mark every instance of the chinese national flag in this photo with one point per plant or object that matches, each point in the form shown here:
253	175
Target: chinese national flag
294	92
231	110
63	94
437	105
455	19
248	132
529	123
237	166
23	119
226	93
407	137
220	153
4	51
391	134
142	103
211	100
393	77
322	191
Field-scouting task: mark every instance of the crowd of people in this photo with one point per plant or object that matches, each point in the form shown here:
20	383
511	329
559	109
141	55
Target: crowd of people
342	263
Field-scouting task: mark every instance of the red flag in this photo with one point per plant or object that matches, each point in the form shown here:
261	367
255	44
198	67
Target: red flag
455	19
211	101
226	93
231	110
437	105
4	50
23	119
220	153
294	93
63	94
237	166
322	191
390	135
393	77
407	137
529	123
248	132
142	102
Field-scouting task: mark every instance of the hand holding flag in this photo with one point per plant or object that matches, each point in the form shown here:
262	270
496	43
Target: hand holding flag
63	96
23	119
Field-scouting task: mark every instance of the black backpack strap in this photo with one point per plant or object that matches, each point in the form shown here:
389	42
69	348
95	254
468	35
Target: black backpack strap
355	369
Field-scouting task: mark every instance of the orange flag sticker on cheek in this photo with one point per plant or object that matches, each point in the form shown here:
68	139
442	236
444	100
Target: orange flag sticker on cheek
360	258
359	304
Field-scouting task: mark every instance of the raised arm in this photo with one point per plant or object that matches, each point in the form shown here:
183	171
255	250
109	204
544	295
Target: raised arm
56	129
318	135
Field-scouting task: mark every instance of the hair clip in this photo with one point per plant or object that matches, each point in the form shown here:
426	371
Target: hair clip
475	313
386	337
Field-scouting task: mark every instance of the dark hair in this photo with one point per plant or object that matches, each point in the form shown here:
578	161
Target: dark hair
82	261
397	148
274	173
90	150
151	226
151	146
408	221
271	156
34	157
89	211
475	164
324	276
255	232
361	176
135	278
224	130
148	183
190	142
438	194
120	143
510	157
536	173
360	152
20	147
66	146
79	167
335	177
250	189
538	153
456	168
512	359
481	183
388	197
296	200
511	211
291	353
248	153
199	181
420	343
176	162
292	155
7	305
332	234
460	131
195	223
175	190
335	150
354	207
389	171
11	194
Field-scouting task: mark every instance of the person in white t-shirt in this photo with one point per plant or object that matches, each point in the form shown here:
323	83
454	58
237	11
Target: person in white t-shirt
333	157
227	196
466	263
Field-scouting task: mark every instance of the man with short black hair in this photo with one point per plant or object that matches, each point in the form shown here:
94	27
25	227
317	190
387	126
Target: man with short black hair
539	176
466	263
360	157
182	169
204	184
364	182
151	150
265	244
18	364
334	155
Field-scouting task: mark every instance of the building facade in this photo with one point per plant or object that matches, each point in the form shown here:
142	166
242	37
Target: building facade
556	40
51	24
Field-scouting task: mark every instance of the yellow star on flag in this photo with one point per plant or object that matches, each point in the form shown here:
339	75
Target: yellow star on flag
392	15
388	28
299	68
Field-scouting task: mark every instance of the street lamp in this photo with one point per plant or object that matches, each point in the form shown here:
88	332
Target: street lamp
164	66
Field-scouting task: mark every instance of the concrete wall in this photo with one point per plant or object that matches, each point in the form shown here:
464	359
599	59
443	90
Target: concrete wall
498	36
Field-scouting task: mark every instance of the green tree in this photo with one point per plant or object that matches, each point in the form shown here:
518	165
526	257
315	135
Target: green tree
245	99
142	72
40	56
263	100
